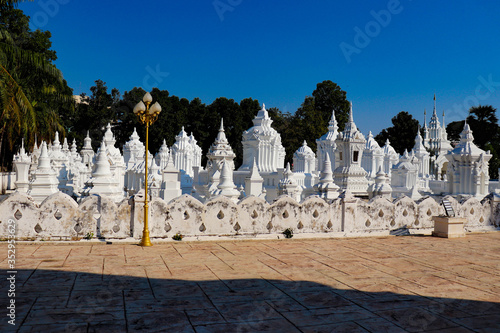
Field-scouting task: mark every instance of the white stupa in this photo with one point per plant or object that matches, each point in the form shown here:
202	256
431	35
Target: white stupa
44	181
102	181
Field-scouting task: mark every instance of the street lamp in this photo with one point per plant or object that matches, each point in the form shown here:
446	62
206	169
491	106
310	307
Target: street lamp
147	115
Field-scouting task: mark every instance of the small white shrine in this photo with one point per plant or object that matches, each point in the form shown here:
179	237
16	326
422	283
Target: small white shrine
262	143
404	177
468	173
304	159
327	143
326	188
22	162
102	181
87	152
373	157
220	154
44	182
349	175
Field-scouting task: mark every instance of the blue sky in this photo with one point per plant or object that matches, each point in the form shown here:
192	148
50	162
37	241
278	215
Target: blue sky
388	56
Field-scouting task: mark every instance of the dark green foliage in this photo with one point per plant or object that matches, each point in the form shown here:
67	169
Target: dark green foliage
454	129
310	121
93	114
34	98
328	97
402	134
483	122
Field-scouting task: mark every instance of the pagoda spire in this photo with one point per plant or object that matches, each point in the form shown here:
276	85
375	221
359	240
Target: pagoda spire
434	112
332	124
221	136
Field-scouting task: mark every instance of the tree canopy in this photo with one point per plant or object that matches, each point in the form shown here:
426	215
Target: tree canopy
401	134
33	93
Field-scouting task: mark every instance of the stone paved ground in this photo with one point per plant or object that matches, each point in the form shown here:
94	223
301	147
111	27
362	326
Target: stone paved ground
392	284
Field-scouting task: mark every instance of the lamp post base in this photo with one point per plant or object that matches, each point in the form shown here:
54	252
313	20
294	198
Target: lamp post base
145	241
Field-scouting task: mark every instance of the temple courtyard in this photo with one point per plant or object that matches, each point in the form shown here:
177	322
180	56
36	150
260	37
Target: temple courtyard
389	284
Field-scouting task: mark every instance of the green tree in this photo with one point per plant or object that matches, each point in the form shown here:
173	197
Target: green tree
484	124
311	120
229	110
328	97
93	113
309	124
454	129
402	133
32	90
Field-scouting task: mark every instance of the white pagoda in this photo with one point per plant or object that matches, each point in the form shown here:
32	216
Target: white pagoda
468	167
263	143
326	144
349	175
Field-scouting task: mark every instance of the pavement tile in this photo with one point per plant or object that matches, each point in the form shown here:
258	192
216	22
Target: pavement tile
482	323
108	327
109	299
320	299
396	302
159	321
165	291
270	326
246	295
378	324
50	302
246	311
285	304
346	327
245	284
416	319
96	315
205	316
81	327
451	330
327	316
471	307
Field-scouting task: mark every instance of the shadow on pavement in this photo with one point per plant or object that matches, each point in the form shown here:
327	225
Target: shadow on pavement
58	301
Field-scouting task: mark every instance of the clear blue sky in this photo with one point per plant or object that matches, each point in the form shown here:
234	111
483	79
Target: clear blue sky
277	51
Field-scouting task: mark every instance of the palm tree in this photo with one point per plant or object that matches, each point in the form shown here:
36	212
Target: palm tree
30	88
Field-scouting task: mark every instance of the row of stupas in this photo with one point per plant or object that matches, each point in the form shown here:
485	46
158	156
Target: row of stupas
345	161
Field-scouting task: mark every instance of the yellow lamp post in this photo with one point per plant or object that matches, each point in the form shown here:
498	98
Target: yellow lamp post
147	114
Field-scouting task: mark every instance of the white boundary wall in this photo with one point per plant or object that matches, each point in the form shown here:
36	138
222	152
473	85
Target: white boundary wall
59	217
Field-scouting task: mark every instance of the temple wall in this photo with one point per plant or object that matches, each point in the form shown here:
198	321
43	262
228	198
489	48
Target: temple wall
59	217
